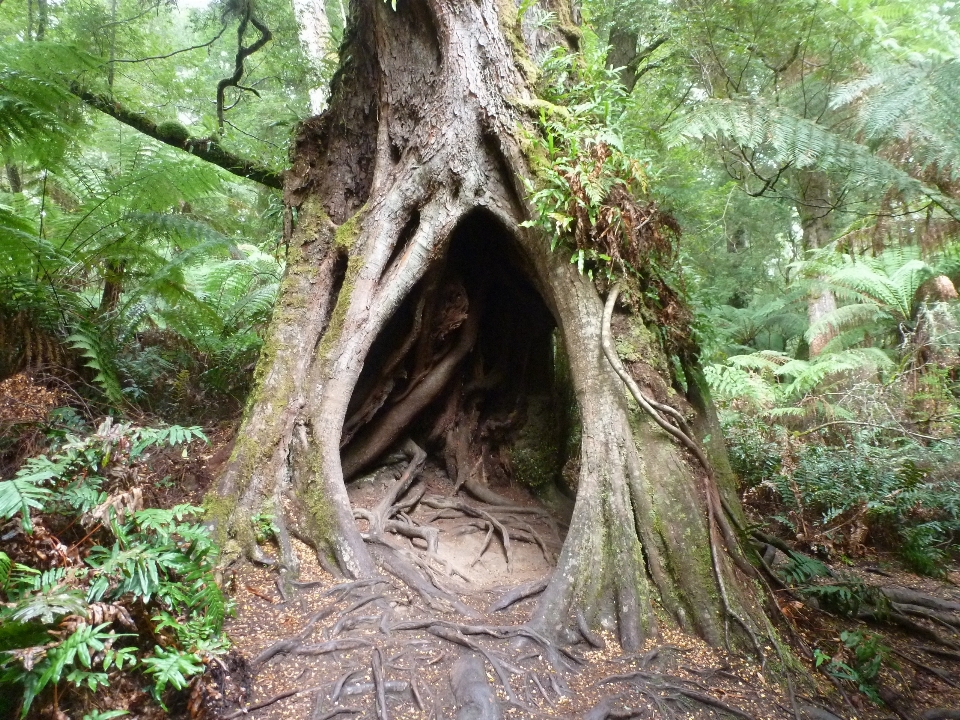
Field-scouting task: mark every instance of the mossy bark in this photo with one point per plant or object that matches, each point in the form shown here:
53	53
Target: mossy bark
422	133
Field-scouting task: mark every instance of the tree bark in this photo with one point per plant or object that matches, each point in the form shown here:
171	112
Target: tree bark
815	209
422	139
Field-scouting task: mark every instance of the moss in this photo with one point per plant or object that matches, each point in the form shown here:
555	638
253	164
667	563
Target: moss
172	131
535	105
319	513
339	315
536	452
347	234
344	240
217	510
639	344
510	24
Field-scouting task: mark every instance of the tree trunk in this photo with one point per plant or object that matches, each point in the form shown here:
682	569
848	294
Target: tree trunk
412	290
815	210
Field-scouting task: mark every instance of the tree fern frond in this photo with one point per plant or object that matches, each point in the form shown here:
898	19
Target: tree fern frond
785	138
845	318
39	117
729	383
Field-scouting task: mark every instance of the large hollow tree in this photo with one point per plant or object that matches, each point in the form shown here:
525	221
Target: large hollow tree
417	306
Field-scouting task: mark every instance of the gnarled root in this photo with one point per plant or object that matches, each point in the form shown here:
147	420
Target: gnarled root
475	698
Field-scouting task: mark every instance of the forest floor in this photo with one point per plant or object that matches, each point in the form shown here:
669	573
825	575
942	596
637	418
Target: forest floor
335	648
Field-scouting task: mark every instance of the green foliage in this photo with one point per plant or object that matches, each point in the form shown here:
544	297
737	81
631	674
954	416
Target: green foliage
882	295
38	115
171	667
155	558
116	242
901	493
591	196
858	660
787	139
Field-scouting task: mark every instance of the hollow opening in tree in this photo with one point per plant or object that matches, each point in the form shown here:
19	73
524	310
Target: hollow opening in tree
470	369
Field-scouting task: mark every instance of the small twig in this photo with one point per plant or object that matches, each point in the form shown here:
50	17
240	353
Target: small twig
902	431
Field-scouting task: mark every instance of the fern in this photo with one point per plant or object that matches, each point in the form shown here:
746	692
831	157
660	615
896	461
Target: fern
100	361
171	667
49	603
22	494
788	139
39	117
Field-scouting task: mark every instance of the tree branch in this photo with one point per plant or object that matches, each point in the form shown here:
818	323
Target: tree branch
242	54
205	149
175	52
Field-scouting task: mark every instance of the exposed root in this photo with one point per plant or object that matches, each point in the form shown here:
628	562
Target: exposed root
343	589
454	636
282	696
475	698
714	519
936	672
529	589
554	654
485	494
402	569
376	666
656	684
332	646
333	713
588	635
610	707
338	688
291	644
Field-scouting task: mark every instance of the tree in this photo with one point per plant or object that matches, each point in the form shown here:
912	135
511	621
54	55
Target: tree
416	292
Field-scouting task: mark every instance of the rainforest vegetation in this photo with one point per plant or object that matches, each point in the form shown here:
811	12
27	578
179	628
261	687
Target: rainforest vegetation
479	359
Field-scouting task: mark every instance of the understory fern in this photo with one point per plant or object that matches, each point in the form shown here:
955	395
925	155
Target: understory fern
118	242
74	625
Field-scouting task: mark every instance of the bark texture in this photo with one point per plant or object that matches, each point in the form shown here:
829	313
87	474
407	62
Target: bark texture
407	242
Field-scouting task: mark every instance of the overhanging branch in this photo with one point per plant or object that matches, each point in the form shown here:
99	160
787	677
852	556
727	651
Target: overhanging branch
174	135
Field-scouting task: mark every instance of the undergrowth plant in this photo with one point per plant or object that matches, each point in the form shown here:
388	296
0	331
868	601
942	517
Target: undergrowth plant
834	496
93	583
857	660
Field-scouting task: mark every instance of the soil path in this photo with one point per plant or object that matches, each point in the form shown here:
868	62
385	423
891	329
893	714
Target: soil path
380	650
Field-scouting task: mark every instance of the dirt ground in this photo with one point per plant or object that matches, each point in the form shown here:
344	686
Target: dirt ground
333	648
680	675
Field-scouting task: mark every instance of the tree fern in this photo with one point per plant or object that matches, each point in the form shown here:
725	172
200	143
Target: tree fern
784	138
39	117
881	293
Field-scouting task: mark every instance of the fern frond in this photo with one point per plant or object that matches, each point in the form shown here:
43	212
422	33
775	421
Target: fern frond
100	360
786	138
22	494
